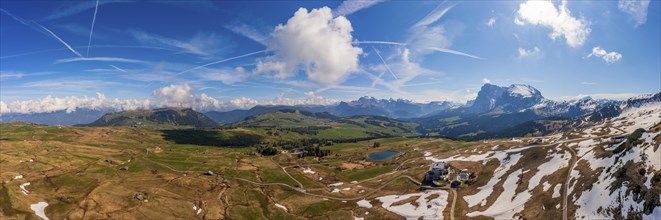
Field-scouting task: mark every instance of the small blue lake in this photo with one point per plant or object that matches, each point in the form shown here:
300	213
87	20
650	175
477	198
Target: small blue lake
382	155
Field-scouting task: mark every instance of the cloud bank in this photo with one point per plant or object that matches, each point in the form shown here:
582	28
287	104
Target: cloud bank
176	95
71	103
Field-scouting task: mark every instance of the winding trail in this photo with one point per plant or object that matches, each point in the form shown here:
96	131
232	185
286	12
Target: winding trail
284	170
454	201
566	191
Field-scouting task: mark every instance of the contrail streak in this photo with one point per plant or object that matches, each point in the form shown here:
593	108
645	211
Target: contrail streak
385	64
432	17
117	68
453	52
444	50
102	59
83	47
89	42
220	61
384	83
14	17
61	41
377	78
379	42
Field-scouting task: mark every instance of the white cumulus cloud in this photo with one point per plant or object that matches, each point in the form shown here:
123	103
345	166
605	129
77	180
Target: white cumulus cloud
609	57
637	9
314	42
491	22
175	95
182	96
527	53
485	80
558	19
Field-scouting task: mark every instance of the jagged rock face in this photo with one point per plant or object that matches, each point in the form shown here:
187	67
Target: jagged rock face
513	98
486	98
520	98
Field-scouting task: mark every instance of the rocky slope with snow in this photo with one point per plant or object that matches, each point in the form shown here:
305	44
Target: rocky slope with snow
583	173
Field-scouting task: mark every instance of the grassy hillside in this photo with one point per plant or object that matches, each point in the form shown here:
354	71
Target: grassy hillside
156	118
294	124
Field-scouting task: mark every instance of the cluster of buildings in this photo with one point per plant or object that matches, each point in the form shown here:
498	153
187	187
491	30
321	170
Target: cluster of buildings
440	173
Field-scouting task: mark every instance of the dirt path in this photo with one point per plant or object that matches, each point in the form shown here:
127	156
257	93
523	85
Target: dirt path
566	191
454	201
285	170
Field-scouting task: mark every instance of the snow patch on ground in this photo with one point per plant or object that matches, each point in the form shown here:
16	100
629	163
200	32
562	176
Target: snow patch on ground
556	191
18	177
546	186
506	205
601	198
25	191
556	163
38	209
656	214
364	203
336	184
486	190
509	202
308	170
281	206
644	116
427	208
197	210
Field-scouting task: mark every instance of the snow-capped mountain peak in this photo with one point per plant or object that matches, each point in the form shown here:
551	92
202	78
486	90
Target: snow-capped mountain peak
522	90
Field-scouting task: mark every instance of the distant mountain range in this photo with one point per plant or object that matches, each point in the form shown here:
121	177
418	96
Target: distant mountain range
392	108
497	111
62	117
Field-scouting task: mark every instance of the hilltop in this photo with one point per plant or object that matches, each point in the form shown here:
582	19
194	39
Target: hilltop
156	118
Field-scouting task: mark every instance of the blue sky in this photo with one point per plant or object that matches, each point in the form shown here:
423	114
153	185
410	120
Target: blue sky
233	54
